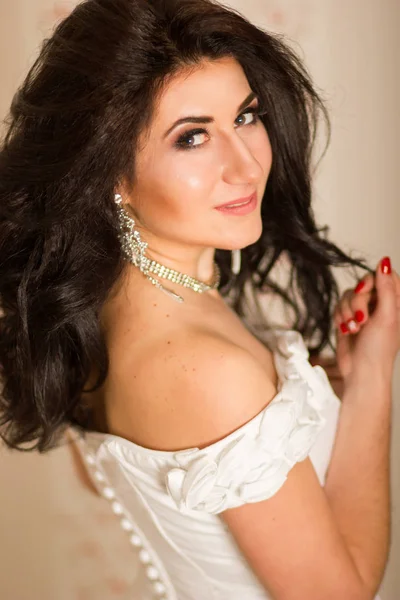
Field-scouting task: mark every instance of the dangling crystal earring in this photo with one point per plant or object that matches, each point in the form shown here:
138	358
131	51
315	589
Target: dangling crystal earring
236	260
134	250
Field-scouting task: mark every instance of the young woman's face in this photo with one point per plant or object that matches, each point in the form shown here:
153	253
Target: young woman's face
182	175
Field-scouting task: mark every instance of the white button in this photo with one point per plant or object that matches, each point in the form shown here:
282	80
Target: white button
144	556
159	587
108	493
117	508
152	573
126	525
99	476
135	540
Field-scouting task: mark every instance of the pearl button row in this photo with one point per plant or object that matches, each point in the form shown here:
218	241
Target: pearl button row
136	541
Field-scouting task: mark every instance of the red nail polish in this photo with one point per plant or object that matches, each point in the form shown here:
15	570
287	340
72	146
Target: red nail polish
344	328
359	316
359	287
386	265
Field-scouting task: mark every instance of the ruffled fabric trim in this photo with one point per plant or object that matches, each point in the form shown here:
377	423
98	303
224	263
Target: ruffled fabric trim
252	463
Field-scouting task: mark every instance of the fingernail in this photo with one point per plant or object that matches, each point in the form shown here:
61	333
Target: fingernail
344	328
359	316
352	325
359	287
386	266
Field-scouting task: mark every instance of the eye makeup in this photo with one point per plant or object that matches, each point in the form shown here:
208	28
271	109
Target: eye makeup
182	143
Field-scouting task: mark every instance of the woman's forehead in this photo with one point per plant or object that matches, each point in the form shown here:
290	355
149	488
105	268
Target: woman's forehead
207	87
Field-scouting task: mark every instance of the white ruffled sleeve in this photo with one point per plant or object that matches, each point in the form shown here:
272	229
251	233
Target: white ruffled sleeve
253	462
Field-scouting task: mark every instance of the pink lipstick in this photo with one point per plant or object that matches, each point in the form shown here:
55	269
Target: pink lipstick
241	208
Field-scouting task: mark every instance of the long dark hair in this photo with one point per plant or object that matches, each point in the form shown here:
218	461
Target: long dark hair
71	137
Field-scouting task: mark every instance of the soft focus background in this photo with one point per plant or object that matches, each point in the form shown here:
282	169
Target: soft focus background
58	539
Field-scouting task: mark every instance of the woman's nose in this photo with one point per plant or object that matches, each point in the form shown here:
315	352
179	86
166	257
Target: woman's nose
240	164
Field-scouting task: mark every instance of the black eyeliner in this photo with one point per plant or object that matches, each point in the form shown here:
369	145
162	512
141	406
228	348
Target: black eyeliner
180	143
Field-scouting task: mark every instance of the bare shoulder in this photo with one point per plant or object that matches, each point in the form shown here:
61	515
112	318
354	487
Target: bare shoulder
191	389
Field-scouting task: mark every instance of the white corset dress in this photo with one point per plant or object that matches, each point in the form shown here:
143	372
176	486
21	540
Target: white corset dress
168	502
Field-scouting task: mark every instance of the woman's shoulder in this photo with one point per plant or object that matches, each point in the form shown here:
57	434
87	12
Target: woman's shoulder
224	434
194	387
238	436
189	388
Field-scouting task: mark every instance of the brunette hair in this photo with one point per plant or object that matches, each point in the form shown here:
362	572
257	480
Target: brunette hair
71	136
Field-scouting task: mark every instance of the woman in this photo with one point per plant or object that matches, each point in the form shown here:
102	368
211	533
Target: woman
126	325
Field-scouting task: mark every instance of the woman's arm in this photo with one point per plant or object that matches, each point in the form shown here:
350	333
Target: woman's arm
311	541
358	479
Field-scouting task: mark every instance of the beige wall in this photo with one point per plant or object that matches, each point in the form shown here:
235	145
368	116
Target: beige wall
351	48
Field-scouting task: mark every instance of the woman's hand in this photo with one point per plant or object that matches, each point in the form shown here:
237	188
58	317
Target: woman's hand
368	327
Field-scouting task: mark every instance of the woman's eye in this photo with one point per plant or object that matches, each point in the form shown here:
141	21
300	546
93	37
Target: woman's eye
183	142
254	112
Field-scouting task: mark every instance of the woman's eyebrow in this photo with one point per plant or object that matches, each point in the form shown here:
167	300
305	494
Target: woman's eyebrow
207	119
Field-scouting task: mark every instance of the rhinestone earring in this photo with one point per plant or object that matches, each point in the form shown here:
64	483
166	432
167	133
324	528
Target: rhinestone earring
236	260
134	250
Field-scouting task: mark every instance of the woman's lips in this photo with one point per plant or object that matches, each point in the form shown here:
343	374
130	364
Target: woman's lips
242	209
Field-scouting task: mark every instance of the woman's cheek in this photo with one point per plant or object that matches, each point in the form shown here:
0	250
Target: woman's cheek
196	172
